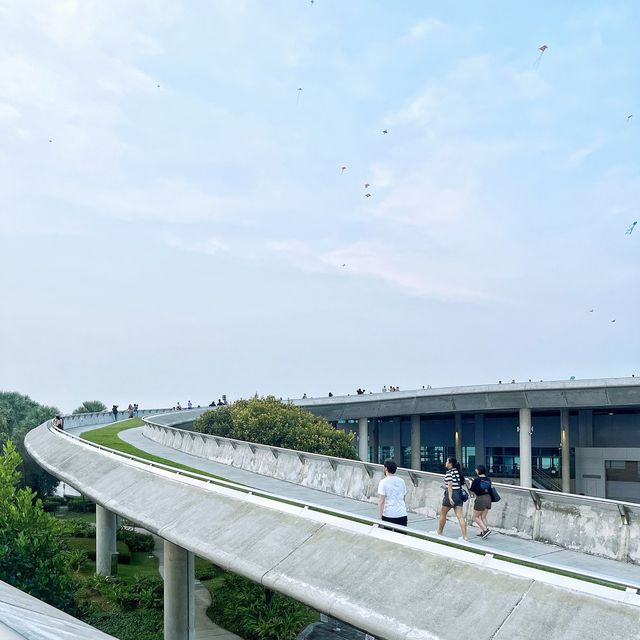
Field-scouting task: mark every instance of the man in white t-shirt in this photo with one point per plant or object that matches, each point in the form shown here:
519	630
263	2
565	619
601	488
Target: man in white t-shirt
391	493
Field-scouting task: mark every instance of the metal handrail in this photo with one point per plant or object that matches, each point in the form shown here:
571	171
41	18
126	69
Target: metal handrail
468	546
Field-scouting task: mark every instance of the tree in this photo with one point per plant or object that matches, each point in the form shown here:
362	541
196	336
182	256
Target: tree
32	553
91	406
273	422
18	415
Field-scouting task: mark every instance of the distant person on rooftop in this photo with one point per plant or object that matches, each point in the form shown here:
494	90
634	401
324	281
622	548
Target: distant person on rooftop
58	421
391	493
220	403
304	396
130	410
384	389
330	394
179	407
114	410
135	409
189	405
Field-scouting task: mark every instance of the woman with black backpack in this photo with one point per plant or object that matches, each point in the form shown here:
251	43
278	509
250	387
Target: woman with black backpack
481	486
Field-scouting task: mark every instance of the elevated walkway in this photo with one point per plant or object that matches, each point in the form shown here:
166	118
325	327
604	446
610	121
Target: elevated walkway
495	543
394	586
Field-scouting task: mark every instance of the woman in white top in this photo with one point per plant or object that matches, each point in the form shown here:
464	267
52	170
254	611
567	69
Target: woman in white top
391	493
452	498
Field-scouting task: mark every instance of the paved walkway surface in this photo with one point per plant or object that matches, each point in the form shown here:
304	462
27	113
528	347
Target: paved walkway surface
497	542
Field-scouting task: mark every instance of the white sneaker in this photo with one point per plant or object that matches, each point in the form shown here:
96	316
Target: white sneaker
434	533
462	539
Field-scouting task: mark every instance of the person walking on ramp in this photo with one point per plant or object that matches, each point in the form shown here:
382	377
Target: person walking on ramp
454	480
391	493
481	486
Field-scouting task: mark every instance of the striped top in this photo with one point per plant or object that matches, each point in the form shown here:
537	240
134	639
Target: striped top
453	476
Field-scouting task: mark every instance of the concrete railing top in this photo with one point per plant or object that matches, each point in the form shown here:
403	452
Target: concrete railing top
571	394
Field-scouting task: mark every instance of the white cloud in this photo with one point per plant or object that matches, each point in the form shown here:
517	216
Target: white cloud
413	273
475	91
423	29
168	200
210	246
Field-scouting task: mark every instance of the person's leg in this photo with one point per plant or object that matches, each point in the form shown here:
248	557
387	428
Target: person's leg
477	518
442	519
485	513
463	524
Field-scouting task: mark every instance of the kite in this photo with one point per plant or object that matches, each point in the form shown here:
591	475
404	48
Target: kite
613	320
632	226
590	310
298	96
629	117
384	131
541	49
343	264
342	170
366	185
367	195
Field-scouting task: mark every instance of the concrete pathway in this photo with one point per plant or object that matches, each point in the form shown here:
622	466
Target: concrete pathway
495	542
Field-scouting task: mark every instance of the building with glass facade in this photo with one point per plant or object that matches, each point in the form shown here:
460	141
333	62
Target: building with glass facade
578	436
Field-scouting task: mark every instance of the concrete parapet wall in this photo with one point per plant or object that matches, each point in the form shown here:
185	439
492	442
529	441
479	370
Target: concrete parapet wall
590	525
104	417
393	586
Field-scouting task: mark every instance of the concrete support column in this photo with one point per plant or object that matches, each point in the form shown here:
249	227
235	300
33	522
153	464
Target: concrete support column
105	540
179	603
415	443
481	455
525	448
564	444
458	436
363	439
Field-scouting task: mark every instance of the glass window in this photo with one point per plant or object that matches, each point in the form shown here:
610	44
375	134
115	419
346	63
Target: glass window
622	470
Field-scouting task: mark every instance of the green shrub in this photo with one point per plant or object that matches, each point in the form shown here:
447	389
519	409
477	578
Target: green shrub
272	422
136	541
76	528
135	625
50	505
145	592
88	546
239	606
204	570
80	504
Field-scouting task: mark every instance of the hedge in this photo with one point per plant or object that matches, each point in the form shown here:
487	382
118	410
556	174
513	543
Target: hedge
88	545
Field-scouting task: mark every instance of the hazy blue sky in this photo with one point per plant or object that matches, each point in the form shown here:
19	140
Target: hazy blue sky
174	221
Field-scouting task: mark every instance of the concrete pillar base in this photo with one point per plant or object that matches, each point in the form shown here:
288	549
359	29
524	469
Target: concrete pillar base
179	602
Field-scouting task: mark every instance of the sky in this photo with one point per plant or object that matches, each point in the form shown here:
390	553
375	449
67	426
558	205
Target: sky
175	224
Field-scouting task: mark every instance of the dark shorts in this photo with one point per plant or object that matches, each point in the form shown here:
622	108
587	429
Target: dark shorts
482	502
457	498
401	521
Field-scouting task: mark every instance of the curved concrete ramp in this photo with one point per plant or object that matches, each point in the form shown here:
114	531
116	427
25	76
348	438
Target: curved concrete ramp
23	616
391	585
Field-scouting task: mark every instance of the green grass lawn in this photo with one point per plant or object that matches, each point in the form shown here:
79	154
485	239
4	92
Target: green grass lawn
109	437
